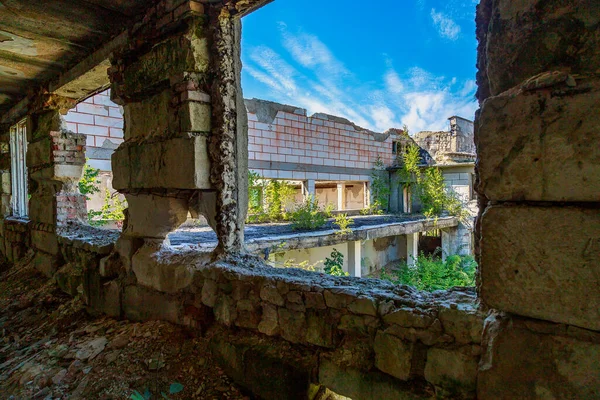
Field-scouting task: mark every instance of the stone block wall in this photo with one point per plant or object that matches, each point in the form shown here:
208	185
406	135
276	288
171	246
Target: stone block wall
5	178
539	178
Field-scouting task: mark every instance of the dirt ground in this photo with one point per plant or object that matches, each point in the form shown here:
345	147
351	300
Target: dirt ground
51	348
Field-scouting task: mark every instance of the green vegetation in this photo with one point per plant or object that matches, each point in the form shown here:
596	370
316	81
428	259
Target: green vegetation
380	190
328	211
431	273
334	265
89	183
308	215
343	222
429	186
277	195
112	208
111	211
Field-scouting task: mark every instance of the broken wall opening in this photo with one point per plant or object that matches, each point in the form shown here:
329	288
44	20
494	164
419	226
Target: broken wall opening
101	121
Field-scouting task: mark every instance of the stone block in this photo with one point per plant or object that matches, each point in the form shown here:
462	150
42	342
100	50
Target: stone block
42	208
141	304
552	157
195	117
40	152
357	384
529	37
463	323
5	182
455	371
269	324
45	263
292	325
45	241
150	118
536	365
542	262
180	163
184	53
393	355
57	172
267	376
154	216
156	272
44	124
320	329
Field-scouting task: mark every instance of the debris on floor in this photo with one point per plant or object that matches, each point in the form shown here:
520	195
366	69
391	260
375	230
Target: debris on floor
51	348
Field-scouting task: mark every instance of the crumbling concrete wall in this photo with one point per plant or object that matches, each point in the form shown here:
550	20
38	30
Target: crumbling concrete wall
539	176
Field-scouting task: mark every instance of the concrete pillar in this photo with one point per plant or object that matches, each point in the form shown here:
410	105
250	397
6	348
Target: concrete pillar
366	195
309	188
341	196
55	159
185	146
449	242
412	249
354	258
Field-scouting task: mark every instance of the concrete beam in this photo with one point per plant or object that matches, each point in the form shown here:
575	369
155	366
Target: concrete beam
310	240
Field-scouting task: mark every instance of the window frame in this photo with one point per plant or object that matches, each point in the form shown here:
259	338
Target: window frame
18	170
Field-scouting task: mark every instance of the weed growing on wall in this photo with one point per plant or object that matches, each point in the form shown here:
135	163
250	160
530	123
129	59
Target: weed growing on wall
380	190
431	273
335	265
429	186
308	215
343	222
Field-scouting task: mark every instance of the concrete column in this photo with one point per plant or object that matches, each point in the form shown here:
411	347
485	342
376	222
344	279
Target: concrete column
366	195
449	237
309	188
412	249
341	196
185	146
55	159
354	258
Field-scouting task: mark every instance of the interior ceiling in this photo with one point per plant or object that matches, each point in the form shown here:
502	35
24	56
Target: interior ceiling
39	39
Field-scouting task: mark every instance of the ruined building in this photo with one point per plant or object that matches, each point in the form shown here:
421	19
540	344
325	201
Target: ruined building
531	330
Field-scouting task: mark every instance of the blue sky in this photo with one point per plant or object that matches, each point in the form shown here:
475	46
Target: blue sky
381	64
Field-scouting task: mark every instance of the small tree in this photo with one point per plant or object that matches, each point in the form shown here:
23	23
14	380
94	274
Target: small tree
380	189
430	187
89	183
335	265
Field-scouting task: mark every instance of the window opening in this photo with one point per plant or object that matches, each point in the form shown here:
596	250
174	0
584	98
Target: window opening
18	152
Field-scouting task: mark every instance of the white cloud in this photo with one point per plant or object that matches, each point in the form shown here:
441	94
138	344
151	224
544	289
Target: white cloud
313	78
445	25
393	82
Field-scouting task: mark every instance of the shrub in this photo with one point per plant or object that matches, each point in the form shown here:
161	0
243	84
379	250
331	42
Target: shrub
112	210
380	190
430	187
431	273
343	222
89	183
328	211
335	265
307	215
277	195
